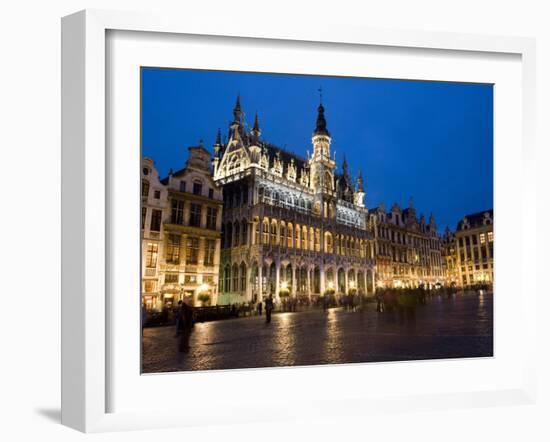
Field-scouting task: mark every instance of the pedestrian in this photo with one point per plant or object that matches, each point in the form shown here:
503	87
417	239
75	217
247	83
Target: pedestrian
178	318
186	326
260	307
268	309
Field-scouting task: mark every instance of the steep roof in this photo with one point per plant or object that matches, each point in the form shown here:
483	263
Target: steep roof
475	219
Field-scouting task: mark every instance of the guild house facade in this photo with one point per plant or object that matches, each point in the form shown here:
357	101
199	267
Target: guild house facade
292	225
408	249
181	233
474	242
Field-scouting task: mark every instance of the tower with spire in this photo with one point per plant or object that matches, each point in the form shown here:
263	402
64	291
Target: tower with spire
359	194
322	166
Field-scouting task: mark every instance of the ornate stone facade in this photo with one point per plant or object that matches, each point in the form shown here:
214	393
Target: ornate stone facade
181	230
291	225
408	250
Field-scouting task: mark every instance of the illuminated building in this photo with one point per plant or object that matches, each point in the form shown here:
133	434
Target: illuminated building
181	223
474	249
290	224
408	250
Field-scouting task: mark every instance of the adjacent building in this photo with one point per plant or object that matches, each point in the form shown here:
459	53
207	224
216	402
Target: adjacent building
408	249
292	225
181	233
474	240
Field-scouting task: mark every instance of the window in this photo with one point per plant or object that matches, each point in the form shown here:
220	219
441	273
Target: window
197	188
150	286
474	240
190	279
211	213
171	278
290	235
243	277
145	171
192	251
145	188
177	212
482	238
195	215
273	232
143	215
490	236
155	220
209	252
244	233
211	193
151	255
173	249
182	186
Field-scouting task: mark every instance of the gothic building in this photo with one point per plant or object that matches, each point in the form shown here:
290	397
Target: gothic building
292	226
408	249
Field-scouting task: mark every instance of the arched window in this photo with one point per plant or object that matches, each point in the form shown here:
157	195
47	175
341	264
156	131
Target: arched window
235	275
236	234
243	277
311	239
282	234
298	236
317	240
328	243
290	234
244	233
304	237
273	232
227	279
265	231
257	237
229	235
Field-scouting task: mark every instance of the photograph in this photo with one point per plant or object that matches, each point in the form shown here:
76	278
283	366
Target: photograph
302	220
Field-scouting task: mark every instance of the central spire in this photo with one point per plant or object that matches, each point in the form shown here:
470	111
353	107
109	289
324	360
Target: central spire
321	126
237	112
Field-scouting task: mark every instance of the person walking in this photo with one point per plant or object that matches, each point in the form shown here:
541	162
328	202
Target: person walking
186	326
178	318
268	309
260	306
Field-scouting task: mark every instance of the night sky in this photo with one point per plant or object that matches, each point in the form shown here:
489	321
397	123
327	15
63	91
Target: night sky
429	140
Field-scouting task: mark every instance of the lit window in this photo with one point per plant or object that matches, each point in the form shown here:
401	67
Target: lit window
151	255
482	238
490	236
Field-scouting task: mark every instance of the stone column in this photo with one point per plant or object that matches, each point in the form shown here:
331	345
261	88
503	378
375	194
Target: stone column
293	286
308	283
322	279
248	294
203	215
260	280
346	282
277	280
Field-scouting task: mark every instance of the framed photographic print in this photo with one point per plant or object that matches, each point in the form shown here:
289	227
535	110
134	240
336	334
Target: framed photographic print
249	217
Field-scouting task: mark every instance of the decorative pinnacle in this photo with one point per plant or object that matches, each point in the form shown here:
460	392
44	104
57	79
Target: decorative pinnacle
218	138
256	127
237	112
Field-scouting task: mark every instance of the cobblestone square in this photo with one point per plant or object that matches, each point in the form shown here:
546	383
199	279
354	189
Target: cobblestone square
457	327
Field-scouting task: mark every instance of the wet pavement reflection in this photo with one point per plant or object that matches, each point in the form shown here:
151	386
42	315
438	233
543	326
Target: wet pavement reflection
456	327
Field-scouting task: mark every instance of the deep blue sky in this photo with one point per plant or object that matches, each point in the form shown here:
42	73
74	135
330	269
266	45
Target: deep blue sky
429	140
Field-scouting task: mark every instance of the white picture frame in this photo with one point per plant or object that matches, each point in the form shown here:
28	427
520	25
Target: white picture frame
85	261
